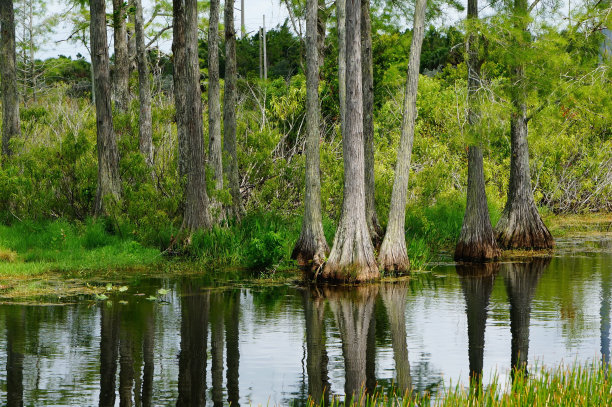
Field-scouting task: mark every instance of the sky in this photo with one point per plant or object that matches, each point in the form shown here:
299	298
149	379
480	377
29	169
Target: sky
254	11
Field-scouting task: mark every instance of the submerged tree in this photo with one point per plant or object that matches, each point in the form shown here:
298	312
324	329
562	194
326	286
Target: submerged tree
352	255
376	232
197	214
215	154
520	225
109	184
311	248
145	126
8	73
122	61
477	240
230	99
393	253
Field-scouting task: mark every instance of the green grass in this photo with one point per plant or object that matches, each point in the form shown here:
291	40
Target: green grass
578	385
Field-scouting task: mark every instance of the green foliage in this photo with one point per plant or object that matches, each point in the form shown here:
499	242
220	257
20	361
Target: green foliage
265	252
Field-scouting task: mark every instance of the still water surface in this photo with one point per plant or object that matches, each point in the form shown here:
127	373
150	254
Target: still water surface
198	345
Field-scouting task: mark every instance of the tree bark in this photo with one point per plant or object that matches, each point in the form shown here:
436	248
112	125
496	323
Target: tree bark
122	61
352	255
394	298
477	282
393	253
197	214
376	232
311	249
8	73
109	184
321	30
229	111
477	240
179	66
341	17
215	154
521	226
145	126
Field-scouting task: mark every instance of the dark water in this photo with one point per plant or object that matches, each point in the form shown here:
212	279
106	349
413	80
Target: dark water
276	345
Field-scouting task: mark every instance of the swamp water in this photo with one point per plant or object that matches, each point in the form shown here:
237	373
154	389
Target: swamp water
276	345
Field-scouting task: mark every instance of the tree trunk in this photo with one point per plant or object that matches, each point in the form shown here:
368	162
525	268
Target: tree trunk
521	282
229	110
179	65
316	359
353	312
8	73
108	155
352	255
122	61
393	254
311	248
394	298
321	31
341	17
145	126
214	106
197	215
477	282
520	226
477	240
376	232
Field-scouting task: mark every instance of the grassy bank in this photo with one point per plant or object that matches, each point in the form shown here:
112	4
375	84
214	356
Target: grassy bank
560	386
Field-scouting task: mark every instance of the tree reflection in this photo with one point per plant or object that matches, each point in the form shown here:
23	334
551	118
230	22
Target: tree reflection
316	359
15	350
217	346
521	281
477	282
394	298
353	310
232	338
109	344
192	357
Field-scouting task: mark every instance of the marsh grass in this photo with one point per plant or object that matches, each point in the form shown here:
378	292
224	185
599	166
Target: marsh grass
575	385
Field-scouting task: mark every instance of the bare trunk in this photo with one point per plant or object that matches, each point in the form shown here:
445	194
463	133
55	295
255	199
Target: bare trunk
215	154
520	226
393	254
352	255
178	52
477	240
353	313
477	282
394	298
316	360
521	282
109	185
197	215
229	110
311	248
122	61
321	30
376	232
145	126
8	73
341	17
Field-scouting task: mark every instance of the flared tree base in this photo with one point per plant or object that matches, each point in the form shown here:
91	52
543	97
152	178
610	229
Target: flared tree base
523	228
310	254
477	250
393	257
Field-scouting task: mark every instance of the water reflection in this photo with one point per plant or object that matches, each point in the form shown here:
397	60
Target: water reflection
280	345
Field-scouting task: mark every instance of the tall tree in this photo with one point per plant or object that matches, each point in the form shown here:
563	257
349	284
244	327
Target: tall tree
10	99
197	214
109	184
229	111
215	154
393	254
122	61
179	66
311	248
376	232
341	21
477	240
520	225
352	255
145	126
